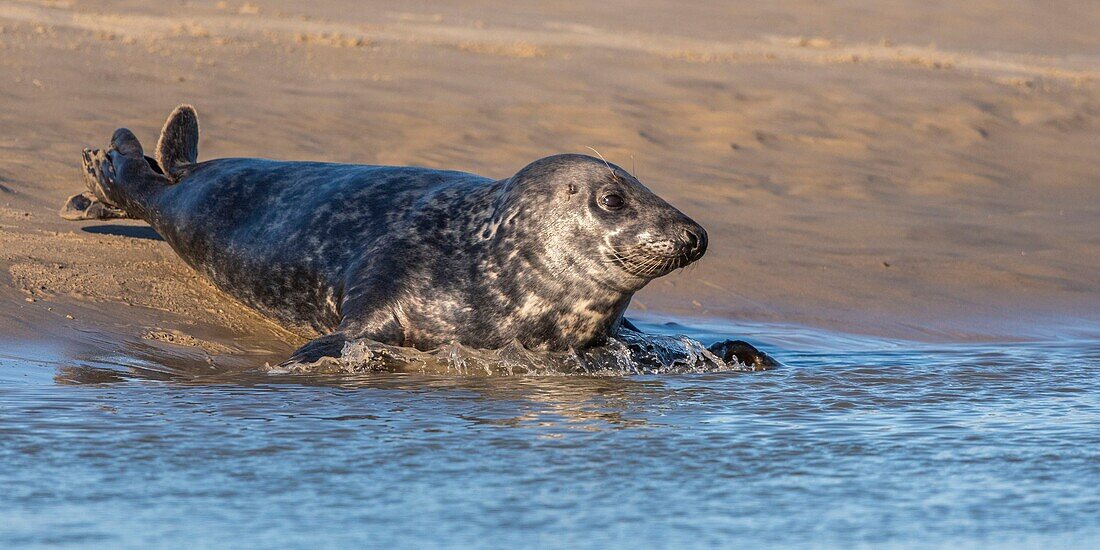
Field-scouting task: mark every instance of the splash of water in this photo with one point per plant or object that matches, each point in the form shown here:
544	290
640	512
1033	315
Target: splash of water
626	354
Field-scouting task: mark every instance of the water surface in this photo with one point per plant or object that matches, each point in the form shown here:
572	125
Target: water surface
854	441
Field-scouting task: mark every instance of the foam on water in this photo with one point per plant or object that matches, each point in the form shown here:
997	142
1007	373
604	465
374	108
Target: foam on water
630	354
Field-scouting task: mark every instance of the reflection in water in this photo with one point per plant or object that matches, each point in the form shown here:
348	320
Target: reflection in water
602	392
853	441
560	398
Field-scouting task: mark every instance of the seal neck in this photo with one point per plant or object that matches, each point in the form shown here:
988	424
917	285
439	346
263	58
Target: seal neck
549	295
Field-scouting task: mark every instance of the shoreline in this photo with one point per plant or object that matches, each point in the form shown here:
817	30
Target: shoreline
927	196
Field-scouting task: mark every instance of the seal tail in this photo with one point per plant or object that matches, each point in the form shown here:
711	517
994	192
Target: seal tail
178	146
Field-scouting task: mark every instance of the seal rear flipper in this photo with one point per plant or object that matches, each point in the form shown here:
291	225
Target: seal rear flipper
86	206
125	177
93	204
97	168
118	181
178	146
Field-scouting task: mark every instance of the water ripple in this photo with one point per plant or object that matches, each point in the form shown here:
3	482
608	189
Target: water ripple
848	443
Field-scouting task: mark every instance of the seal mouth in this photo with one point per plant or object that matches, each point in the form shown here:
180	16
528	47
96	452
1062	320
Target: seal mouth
643	263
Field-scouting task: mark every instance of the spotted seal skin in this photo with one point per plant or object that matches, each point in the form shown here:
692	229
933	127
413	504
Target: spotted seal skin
548	257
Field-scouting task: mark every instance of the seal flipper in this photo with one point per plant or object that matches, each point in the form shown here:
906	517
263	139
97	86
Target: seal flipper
740	351
328	346
118	181
124	175
87	206
178	146
93	203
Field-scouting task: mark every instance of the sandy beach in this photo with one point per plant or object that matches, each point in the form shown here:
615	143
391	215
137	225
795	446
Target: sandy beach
903	206
929	173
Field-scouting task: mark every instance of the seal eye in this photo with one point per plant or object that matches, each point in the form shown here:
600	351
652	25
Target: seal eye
612	201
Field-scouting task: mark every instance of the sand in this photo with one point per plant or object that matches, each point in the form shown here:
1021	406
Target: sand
891	168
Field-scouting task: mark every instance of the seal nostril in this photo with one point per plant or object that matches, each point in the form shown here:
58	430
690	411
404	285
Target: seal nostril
691	239
695	242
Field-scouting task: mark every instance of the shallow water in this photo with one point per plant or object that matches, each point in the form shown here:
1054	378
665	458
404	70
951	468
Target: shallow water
854	441
628	353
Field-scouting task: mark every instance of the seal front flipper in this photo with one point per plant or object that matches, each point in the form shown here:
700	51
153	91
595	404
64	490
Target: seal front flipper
730	351
328	346
178	146
379	328
740	351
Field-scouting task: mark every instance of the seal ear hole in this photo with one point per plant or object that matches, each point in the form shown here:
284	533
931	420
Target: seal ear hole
572	189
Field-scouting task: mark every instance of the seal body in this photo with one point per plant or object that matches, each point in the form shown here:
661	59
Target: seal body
548	257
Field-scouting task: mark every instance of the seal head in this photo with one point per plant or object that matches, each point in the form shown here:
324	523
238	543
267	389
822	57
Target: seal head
593	221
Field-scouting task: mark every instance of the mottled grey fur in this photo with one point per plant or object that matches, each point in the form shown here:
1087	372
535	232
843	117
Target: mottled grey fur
401	255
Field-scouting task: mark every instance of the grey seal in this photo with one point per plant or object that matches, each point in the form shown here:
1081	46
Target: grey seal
406	256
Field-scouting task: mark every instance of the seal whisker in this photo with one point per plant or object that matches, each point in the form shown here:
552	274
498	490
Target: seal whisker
640	261
662	266
637	259
607	164
651	263
665	265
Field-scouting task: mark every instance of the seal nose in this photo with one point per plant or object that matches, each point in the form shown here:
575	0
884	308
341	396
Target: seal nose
695	242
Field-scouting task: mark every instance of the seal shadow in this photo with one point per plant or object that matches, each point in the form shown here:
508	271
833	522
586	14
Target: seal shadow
131	231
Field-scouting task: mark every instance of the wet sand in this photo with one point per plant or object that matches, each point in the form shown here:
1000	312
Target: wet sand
882	168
